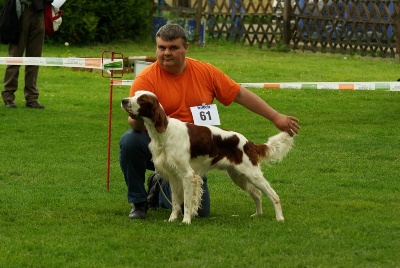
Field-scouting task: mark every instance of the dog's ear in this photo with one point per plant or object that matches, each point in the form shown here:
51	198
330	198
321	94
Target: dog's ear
145	106
151	108
159	118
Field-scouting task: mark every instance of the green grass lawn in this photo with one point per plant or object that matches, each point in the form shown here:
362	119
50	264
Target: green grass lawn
338	186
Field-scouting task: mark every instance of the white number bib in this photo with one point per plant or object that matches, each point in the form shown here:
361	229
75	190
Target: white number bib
205	115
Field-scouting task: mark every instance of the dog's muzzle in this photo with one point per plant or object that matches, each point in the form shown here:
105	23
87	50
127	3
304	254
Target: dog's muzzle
126	105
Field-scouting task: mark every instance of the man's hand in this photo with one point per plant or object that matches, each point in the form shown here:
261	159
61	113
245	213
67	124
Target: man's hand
136	123
133	116
287	123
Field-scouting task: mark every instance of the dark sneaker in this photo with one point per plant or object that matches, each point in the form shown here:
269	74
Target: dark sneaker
153	186
138	211
10	104
34	105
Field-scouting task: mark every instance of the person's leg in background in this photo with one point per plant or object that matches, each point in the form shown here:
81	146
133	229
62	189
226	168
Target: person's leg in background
34	45
12	71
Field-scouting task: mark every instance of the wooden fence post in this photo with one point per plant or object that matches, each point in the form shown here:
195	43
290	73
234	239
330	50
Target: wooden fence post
198	21
397	55
286	22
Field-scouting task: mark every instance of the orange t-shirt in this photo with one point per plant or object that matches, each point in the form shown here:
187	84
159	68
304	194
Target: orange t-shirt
199	84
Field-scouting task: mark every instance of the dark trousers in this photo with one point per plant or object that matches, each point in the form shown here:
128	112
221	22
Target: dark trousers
135	159
31	42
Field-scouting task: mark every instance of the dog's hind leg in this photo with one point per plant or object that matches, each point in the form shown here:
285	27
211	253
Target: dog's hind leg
242	181
258	181
262	184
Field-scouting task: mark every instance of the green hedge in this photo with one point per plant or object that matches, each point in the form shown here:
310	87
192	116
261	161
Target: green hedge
87	21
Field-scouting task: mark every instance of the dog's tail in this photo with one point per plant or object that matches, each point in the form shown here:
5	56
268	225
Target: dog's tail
279	145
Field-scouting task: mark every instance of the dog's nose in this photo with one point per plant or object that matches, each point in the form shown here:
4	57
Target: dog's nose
125	102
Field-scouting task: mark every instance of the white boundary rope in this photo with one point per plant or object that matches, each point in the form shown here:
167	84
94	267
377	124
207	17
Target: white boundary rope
95	63
117	64
384	86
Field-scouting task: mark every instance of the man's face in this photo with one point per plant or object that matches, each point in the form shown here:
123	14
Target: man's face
171	54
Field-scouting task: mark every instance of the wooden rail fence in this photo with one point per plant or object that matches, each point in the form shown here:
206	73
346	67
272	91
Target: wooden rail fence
347	27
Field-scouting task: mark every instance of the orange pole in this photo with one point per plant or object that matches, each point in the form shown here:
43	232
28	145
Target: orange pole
111	76
109	137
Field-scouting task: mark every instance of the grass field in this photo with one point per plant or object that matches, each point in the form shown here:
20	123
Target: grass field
339	186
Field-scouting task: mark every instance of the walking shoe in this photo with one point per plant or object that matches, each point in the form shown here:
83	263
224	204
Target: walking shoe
10	104
138	211
34	104
153	186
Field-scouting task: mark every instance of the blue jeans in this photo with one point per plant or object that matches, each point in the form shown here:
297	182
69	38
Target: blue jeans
135	159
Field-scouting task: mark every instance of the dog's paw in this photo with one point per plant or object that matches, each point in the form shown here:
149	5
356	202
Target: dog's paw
171	218
187	221
280	218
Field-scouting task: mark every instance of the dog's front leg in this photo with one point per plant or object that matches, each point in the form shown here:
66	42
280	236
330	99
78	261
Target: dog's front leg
188	187
176	200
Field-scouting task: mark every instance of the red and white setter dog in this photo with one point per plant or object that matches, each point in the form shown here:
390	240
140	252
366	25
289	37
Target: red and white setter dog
183	152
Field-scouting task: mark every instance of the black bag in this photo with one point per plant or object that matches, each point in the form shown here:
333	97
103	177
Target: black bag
10	27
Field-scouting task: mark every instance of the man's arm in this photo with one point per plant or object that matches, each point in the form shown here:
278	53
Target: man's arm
257	105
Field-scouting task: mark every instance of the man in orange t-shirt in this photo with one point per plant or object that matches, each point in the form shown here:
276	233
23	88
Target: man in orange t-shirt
200	83
180	83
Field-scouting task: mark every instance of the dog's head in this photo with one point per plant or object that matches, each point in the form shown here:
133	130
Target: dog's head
145	104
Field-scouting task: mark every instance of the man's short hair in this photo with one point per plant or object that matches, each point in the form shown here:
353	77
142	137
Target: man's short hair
170	32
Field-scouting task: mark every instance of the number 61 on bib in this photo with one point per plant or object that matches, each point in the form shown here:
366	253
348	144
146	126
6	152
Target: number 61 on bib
205	115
